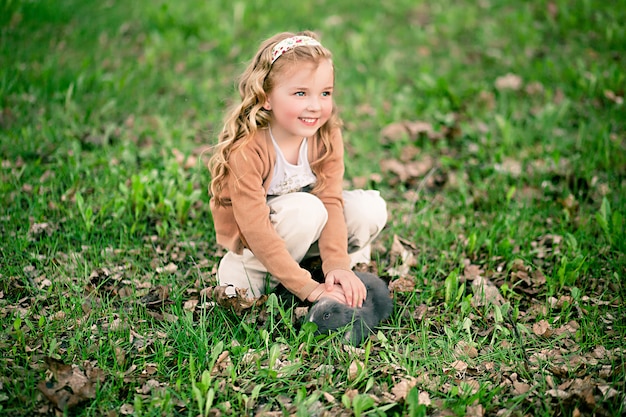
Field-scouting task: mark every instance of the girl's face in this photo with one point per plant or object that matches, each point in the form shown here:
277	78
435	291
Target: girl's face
301	100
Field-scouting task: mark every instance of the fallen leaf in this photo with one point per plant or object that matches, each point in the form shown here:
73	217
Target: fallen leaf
402	285
329	398
127	409
619	100
423	398
542	329
485	292
168	269
510	166
156	296
607	391
465	349
471	272
402	388
353	369
190	305
407	171
420	311
469	386
222	363
405	129
475	410
72	385
509	82
459	365
520	388
403	252
558	393
239	302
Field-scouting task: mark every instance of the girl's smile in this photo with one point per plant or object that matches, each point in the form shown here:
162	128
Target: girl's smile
309	122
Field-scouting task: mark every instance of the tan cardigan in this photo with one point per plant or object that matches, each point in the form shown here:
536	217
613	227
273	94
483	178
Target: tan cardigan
246	222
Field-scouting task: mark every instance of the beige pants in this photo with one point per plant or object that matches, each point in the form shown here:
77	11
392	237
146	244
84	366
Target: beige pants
299	219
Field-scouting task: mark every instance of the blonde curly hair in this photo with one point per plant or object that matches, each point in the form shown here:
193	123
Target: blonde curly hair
245	118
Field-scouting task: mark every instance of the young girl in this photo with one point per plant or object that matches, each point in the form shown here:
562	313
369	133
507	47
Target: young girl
277	179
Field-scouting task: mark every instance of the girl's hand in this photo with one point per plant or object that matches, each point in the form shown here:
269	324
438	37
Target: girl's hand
353	288
321	291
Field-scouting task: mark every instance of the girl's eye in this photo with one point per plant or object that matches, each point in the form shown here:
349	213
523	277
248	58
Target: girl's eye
326	316
300	94
326	94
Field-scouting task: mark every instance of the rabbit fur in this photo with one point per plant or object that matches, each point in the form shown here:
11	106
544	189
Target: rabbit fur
330	315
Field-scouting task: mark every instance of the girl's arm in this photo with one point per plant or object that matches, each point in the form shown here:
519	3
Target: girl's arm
252	215
333	242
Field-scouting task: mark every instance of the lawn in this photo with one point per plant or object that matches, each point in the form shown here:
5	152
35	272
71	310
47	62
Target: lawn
495	130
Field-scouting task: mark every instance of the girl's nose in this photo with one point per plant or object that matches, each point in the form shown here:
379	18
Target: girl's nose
314	104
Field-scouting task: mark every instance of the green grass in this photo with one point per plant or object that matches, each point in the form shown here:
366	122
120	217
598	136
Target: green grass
106	110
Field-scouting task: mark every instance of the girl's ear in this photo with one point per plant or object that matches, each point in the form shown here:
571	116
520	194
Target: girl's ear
267	106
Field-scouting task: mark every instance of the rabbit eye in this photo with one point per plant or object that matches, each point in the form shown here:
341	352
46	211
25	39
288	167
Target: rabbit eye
326	316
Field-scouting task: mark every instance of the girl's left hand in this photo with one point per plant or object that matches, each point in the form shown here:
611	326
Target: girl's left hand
352	286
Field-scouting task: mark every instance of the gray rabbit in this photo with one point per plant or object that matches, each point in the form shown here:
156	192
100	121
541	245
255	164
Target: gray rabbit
330	315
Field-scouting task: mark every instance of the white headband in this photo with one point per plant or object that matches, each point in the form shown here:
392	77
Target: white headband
290	43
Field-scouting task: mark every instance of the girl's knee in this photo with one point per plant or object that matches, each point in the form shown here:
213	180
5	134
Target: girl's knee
298	210
365	209
311	209
242	271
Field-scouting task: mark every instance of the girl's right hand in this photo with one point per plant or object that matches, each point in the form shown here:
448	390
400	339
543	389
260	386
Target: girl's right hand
321	291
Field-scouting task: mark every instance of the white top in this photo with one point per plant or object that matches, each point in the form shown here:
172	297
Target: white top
289	178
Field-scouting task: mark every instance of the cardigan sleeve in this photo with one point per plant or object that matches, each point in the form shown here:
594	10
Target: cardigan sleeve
252	215
333	241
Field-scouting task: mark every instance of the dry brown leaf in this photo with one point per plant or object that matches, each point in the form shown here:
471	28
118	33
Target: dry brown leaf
402	388
475	411
570	328
329	398
470	272
168	269
420	311
300	312
534	88
469	385
72	385
394	132
402	254
239	303
222	363
600	352
509	82
190	305
423	398
429	382
354	368
351	393
542	329
120	355
608	392
187	162
407	171
157	296
558	393
619	100
405	129
151	386
485	292
465	349
459	365
520	388
402	285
